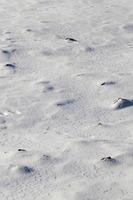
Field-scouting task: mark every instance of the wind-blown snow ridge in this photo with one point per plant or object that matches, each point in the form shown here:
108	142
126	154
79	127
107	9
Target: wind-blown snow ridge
122	103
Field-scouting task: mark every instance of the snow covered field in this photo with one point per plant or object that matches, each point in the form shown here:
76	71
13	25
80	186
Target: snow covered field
66	103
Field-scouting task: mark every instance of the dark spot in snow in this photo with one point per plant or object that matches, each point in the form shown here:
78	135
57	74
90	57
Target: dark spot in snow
128	27
21	150
65	102
7	32
5	51
90	49
106	158
8	51
46	157
109	160
26	169
49	88
100	124
12	66
71	39
29	30
108	83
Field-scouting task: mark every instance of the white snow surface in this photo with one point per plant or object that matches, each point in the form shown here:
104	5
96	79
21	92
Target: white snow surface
66	108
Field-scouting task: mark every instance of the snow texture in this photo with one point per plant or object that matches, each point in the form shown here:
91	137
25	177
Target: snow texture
66	104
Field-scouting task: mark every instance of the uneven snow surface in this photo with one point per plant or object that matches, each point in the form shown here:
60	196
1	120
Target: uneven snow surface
66	103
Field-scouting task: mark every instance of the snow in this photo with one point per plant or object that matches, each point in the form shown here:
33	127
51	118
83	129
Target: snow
66	104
